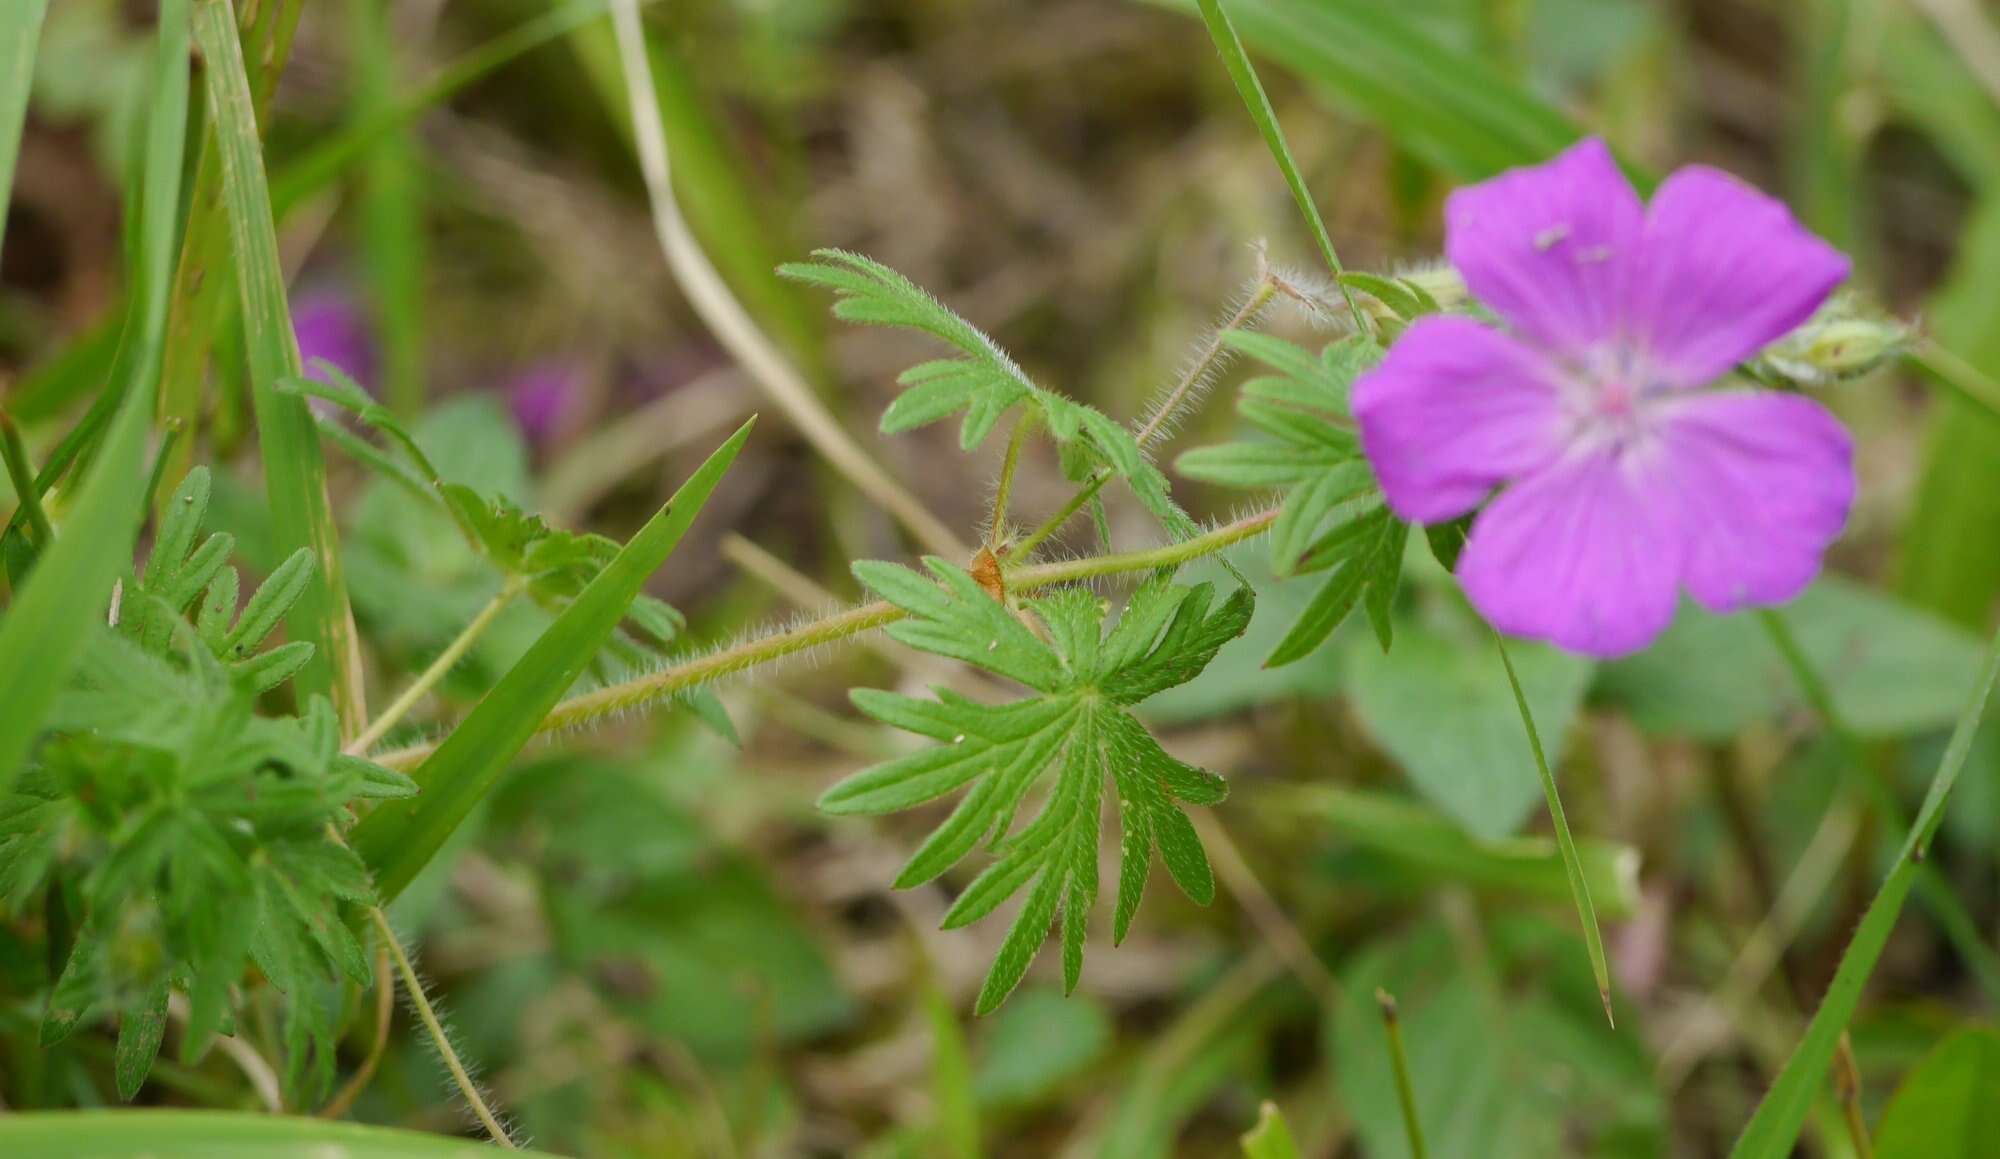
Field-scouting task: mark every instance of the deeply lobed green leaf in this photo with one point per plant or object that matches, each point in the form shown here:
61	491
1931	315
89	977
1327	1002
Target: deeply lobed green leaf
1085	674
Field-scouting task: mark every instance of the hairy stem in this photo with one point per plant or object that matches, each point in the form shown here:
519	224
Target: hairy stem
1572	865
445	662
997	529
435	1029
646	691
732	325
1262	291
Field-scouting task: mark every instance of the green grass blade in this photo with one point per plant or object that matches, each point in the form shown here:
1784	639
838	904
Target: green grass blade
1774	1128
71	584
294	472
186	1134
1438	847
21	473
1933	888
1252	91
1449	107
1579	886
203	314
394	247
20	30
1950	559
323	164
400	837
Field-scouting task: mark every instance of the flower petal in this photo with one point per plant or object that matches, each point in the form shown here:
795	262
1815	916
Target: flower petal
1763	482
1584	554
1722	272
1453	410
1545	247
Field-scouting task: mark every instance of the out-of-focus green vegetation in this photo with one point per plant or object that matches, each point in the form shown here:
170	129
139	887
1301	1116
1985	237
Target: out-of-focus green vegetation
646	937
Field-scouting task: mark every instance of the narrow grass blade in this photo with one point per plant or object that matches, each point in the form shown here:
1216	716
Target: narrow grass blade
20	30
955	1133
1432	844
400	837
44	627
203	310
1579	888
1950	560
390	208
1960	928
21	473
326	160
1774	1128
191	1134
294	472
1252	91
1447	106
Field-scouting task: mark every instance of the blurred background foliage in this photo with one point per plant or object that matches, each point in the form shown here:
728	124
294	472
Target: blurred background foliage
649	939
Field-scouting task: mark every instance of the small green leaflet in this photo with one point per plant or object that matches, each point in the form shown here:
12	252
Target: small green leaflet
1333	518
1085	678
556	564
980	380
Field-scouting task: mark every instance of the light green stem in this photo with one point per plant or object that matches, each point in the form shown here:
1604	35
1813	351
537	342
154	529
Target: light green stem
1958	925
1261	293
1004	490
1392	1025
1237	61
414	986
445	662
1572	864
669	682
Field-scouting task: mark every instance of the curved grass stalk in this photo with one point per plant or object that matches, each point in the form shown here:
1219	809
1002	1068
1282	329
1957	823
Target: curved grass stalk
732	325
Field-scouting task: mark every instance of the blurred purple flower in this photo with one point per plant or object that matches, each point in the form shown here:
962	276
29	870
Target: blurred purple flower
544	398
331	326
1622	481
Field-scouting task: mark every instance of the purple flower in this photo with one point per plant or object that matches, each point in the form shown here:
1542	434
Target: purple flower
544	397
330	327
1620	480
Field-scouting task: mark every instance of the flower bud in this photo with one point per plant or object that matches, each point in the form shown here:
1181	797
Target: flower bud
1844	340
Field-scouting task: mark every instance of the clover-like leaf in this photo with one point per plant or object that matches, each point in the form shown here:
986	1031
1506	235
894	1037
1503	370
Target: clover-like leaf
1084	678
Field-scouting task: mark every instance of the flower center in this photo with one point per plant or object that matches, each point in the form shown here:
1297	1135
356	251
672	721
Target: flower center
1611	399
